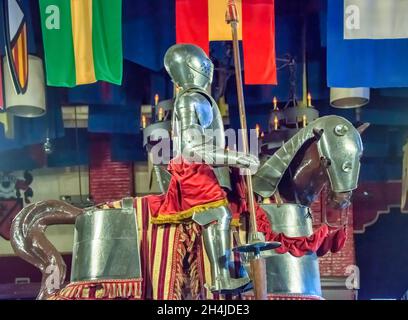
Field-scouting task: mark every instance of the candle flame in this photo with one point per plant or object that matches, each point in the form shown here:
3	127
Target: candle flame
275	103
309	100
143	121
275	123
258	130
156	99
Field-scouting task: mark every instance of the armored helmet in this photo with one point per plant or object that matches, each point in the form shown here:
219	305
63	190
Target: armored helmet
188	66
341	144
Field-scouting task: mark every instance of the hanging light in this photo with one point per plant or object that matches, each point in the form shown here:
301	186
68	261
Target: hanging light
47	146
348	98
31	104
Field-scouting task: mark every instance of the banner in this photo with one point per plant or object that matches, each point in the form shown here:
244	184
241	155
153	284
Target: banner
82	41
370	56
15	34
201	21
375	19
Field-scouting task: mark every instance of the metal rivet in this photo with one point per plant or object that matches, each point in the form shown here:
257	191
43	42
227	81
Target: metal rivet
341	129
347	166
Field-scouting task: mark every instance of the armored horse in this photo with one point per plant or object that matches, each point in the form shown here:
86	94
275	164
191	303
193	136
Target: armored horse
324	155
115	254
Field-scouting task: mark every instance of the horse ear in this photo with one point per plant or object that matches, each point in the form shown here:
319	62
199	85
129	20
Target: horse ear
318	133
361	128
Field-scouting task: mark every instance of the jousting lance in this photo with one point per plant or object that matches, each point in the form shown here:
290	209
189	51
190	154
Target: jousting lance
256	242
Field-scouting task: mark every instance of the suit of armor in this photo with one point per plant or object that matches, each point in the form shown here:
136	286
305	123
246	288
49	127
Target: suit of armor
198	136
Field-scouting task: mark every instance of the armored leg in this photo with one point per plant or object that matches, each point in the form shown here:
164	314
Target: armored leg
217	241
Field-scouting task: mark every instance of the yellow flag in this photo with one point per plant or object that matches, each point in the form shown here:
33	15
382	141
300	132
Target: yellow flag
219	30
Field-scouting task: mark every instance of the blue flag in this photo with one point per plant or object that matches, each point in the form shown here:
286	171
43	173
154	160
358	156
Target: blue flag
365	46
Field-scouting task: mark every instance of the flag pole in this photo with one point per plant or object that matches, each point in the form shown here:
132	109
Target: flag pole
256	239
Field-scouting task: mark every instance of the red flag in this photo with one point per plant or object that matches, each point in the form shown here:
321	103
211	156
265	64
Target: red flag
201	21
192	23
258	33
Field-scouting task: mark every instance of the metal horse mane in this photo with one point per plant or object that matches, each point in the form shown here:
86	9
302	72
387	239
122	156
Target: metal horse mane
338	143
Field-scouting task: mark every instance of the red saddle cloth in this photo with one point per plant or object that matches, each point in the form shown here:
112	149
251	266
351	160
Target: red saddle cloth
193	188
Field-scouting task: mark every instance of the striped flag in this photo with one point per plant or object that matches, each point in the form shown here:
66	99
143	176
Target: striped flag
375	19
82	41
367	43
16	43
201	21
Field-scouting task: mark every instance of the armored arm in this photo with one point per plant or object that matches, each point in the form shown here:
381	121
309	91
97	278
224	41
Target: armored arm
202	136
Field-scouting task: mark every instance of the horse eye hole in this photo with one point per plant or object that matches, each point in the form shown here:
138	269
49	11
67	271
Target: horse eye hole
326	161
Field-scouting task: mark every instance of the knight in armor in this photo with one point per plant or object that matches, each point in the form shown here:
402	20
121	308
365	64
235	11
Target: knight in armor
194	193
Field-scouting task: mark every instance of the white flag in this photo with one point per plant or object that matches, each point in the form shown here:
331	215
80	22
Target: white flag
375	19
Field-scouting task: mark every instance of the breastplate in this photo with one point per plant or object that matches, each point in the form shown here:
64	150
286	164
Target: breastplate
106	245
287	274
215	129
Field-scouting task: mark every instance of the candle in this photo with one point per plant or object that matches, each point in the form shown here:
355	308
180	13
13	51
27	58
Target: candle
160	115
156	99
143	121
304	120
275	103
257	129
309	100
275	123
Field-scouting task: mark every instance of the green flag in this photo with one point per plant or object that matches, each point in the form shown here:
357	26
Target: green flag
82	41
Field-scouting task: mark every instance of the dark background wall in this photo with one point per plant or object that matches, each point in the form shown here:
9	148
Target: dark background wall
382	256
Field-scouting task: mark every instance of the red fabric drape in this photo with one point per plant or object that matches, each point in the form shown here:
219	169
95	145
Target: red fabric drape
324	239
192	185
192	23
258	35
